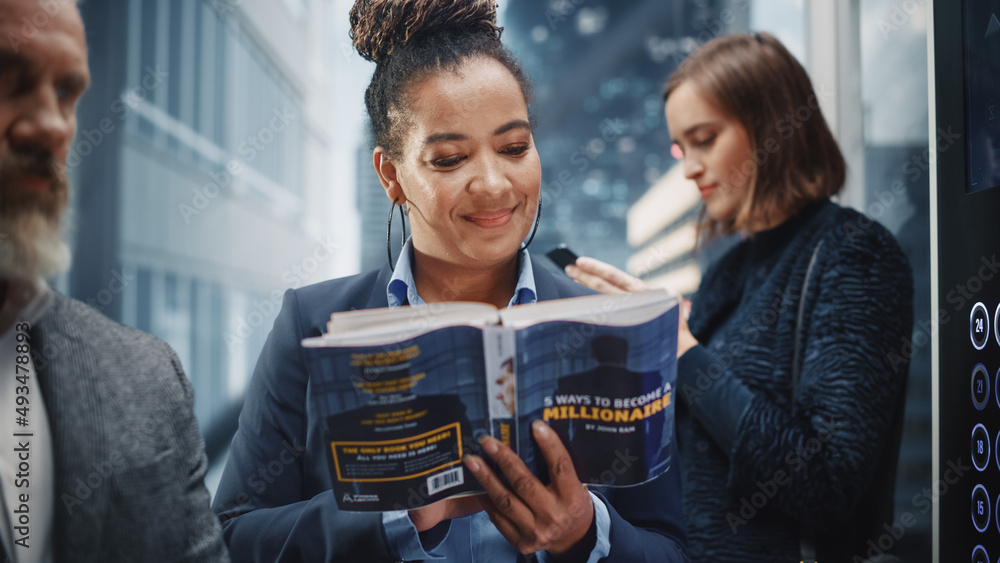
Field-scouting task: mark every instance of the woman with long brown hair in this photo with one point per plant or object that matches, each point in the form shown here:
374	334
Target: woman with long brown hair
789	376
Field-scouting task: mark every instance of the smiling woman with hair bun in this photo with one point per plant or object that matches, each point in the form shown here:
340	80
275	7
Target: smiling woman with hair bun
452	133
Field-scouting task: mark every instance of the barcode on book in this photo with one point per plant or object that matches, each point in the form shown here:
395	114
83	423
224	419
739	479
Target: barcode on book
446	480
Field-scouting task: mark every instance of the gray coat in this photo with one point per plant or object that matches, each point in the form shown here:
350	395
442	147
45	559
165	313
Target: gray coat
129	460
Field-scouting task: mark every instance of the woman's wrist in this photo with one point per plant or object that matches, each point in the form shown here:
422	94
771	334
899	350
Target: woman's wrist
685	341
579	551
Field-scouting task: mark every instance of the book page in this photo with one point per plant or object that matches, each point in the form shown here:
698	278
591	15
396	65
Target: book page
619	309
387	325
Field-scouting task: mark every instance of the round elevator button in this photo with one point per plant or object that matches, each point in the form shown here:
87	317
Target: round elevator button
981	387
979	326
980	508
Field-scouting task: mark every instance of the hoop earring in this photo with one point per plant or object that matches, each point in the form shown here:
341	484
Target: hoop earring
388	232
538	216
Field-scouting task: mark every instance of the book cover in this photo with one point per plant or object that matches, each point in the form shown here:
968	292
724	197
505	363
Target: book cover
406	393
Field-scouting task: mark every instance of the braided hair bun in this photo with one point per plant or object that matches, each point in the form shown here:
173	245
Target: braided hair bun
409	40
380	27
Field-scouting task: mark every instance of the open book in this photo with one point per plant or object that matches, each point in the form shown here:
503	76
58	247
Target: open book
406	392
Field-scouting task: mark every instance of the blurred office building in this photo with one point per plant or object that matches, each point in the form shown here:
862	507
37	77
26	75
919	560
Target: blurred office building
661	229
199	174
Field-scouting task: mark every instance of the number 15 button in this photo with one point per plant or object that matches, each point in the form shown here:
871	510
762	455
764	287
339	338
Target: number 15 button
980	508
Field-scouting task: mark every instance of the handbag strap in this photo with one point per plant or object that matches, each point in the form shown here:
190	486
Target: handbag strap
797	350
807	535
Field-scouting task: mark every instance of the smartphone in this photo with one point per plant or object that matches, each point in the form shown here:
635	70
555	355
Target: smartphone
562	256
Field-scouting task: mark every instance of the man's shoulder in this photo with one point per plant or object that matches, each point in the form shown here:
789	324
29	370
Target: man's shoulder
70	313
70	322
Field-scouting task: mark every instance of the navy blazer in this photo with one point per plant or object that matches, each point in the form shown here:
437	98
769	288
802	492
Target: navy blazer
275	499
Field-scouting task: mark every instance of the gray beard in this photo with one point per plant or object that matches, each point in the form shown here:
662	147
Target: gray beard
31	246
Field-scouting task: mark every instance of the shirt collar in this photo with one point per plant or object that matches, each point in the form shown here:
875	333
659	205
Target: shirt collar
26	301
403	291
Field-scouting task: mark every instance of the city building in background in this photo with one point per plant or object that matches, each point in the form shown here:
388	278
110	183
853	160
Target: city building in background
662	232
373	207
198	175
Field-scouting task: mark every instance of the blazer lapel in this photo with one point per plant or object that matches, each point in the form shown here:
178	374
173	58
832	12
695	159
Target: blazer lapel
545	284
378	297
65	371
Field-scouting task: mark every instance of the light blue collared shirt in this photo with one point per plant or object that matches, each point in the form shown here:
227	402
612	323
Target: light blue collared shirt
402	290
473	538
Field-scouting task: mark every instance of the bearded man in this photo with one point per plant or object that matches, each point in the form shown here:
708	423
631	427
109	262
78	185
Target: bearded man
100	455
